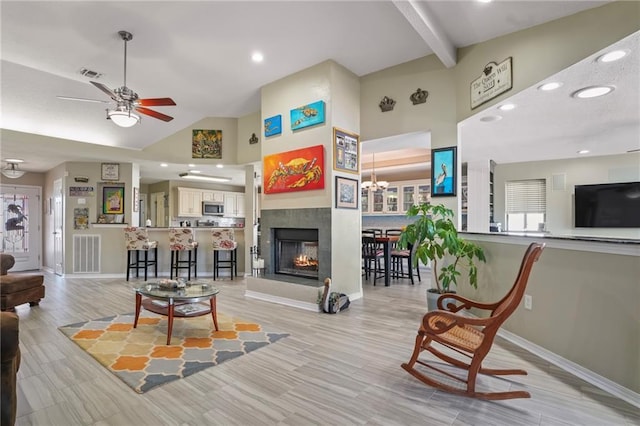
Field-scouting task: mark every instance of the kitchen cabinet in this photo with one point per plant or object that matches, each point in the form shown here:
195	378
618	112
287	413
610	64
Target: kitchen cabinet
233	204
216	196
189	202
397	198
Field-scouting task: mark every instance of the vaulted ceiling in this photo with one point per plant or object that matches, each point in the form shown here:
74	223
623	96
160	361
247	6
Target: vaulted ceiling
198	53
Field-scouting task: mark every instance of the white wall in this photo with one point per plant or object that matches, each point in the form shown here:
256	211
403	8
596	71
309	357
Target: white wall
580	171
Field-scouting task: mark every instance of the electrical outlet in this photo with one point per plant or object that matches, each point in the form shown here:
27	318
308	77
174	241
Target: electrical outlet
528	302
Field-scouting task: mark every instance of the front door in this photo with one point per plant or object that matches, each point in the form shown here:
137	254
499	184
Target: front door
20	218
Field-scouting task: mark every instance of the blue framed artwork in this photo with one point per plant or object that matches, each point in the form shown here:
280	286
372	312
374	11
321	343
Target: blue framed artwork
307	115
273	125
443	172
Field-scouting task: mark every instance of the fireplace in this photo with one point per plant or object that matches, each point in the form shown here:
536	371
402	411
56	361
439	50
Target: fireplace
312	225
296	252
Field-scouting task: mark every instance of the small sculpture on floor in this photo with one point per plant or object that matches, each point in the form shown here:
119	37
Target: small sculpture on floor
333	302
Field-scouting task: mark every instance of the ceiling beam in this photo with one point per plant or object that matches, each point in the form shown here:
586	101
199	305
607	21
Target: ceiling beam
417	13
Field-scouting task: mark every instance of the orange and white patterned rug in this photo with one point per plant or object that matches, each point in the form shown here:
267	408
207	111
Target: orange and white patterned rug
140	357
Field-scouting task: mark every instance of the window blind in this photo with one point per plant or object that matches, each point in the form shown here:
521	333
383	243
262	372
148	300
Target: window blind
526	196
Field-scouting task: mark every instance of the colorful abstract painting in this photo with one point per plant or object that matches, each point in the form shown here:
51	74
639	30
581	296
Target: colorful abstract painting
206	144
298	170
273	126
307	115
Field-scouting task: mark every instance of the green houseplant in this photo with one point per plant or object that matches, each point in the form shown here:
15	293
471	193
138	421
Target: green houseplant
435	237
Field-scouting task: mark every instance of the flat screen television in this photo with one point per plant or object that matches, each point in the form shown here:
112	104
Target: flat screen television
608	205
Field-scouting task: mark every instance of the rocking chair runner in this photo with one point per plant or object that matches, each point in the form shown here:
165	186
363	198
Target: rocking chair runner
471	337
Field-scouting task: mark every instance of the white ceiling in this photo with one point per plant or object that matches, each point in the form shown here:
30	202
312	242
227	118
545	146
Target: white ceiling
198	53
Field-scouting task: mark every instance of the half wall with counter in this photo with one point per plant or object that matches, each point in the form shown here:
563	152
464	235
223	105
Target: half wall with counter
585	293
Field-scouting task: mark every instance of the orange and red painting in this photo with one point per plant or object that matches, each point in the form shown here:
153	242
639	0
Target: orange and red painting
298	170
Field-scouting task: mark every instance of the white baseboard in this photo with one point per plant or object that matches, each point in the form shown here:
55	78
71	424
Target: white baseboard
282	301
595	379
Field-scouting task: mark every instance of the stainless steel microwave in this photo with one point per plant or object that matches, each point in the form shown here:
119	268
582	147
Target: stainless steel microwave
210	208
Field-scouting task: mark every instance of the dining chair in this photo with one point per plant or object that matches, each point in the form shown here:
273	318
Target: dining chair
401	256
373	257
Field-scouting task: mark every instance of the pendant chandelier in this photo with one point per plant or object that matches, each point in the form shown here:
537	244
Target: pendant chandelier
374	184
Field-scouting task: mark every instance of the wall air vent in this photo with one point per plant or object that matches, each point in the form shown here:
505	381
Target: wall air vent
90	74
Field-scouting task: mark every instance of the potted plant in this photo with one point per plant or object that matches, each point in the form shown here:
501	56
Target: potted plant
435	237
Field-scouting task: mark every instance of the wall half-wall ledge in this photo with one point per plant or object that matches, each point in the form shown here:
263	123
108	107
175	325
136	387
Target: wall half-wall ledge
622	246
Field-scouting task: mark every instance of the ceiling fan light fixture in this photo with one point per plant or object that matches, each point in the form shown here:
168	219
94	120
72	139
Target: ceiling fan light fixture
123	118
11	170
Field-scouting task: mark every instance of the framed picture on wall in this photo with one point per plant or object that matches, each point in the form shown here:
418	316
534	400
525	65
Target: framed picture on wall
113	200
346	193
443	172
110	171
273	126
346	151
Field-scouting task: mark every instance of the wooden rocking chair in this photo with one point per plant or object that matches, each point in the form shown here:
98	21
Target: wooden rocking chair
471	337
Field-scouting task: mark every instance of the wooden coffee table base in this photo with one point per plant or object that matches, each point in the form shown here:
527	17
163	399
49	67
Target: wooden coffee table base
169	311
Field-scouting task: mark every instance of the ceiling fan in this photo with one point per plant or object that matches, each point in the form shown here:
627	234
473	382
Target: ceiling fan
127	101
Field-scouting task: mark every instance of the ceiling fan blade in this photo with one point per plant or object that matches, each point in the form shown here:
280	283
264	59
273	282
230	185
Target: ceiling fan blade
71	98
106	90
156	102
154	114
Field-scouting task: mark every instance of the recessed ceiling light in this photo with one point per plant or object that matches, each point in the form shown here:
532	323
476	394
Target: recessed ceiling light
164	165
195	171
612	56
490	118
219	166
191	165
583	151
257	57
485	1
507	107
592	92
550	86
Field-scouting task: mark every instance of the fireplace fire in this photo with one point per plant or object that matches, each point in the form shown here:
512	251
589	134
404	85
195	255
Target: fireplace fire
297	252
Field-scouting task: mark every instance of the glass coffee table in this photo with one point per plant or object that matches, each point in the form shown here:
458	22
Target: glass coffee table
181	302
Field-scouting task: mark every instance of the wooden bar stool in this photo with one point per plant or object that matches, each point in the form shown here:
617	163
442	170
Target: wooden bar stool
224	241
181	240
136	241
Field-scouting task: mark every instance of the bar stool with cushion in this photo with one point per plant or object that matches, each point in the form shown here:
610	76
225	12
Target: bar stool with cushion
136	241
181	240
400	257
224	241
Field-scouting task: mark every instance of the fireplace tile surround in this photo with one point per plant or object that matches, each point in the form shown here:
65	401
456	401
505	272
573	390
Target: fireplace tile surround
313	218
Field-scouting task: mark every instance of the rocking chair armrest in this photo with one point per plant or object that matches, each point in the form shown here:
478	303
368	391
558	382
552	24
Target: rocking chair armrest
466	303
448	320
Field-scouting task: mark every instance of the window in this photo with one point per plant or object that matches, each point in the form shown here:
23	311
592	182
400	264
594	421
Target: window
526	205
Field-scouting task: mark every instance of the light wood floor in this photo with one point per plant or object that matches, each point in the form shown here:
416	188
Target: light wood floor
339	369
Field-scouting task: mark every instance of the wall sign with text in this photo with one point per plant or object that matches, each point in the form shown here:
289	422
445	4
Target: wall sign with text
495	80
